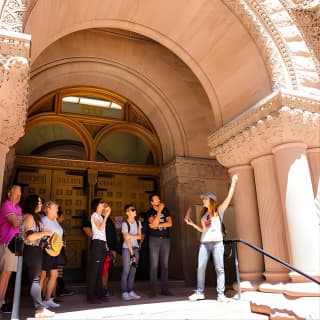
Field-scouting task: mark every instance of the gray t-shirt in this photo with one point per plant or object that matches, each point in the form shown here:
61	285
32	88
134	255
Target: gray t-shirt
133	230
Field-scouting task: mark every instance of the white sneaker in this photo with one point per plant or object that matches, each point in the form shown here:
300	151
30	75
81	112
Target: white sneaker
50	304
126	296
134	296
44	313
223	298
198	295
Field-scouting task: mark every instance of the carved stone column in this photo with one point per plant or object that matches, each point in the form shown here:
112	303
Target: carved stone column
298	202
183	181
281	118
14	84
271	218
314	165
248	228
3	152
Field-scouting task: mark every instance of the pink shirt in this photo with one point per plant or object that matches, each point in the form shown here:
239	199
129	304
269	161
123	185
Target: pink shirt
7	230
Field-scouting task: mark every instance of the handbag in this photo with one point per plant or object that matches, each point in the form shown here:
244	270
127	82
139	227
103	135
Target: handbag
16	245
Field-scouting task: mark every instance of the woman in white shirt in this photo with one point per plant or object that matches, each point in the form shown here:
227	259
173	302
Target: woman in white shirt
211	242
49	272
98	250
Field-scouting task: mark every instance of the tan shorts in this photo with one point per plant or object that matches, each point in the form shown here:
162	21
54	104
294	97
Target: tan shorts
8	260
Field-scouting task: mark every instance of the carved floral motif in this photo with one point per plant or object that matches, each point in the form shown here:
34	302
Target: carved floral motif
282	118
12	16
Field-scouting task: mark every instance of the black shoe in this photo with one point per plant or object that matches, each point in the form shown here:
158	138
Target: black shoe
166	293
65	292
6	308
108	293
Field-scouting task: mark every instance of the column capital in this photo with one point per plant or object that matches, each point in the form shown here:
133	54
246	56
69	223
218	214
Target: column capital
280	118
14	85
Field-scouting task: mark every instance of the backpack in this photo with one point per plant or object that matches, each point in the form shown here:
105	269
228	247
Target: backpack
121	236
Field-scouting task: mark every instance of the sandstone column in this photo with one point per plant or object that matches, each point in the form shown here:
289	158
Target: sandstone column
3	152
298	203
247	226
271	218
314	164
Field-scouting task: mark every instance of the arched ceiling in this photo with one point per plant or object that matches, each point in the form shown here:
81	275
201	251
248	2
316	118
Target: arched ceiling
190	67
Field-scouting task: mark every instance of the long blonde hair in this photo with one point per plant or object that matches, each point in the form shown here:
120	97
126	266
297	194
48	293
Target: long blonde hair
212	208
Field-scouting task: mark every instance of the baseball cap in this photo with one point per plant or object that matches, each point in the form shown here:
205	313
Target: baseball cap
209	195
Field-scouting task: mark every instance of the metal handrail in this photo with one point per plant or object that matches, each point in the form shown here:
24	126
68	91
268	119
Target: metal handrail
287	265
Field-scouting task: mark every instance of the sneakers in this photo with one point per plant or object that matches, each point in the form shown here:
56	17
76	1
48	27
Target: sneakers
65	292
44	313
6	308
108	293
50	304
198	295
223	298
126	296
134	296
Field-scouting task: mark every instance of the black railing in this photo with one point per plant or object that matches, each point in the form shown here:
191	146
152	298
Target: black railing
287	265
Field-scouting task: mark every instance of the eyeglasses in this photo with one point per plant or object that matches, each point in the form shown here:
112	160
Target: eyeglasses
133	209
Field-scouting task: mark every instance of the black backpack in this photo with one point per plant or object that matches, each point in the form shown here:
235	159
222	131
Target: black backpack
121	236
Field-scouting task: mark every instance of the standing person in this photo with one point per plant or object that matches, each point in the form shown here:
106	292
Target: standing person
10	220
49	274
98	250
111	236
131	230
61	291
160	222
211	242
32	252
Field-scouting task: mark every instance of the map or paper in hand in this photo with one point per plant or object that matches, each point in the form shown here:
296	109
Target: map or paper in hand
187	214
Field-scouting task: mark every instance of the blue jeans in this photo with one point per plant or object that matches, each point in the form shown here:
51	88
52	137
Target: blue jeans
217	251
128	272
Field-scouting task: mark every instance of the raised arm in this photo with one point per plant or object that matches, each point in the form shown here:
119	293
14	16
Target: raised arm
227	200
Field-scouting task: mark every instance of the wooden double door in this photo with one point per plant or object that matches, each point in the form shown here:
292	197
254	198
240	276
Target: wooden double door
72	190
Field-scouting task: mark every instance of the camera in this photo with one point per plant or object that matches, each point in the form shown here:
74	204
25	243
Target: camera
133	262
44	243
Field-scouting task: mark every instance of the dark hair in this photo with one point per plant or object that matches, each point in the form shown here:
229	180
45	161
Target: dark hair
95	202
153	195
127	206
29	206
60	212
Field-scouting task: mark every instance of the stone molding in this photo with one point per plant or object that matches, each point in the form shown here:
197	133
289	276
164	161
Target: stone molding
13	13
188	169
280	118
14	85
281	42
42	162
306	15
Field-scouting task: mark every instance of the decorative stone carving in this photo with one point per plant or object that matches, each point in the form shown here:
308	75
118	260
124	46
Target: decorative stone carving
280	41
14	85
12	16
280	118
306	14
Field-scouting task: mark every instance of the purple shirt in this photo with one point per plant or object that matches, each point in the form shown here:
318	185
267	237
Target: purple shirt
7	230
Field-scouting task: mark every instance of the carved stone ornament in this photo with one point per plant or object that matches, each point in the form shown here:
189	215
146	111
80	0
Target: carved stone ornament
284	46
14	85
12	16
280	118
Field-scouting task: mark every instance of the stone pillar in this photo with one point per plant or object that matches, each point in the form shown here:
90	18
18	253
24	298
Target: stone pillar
271	218
14	85
248	227
314	165
183	181
299	207
3	152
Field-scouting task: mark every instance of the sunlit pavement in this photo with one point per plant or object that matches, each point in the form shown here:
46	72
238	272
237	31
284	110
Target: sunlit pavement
161	307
